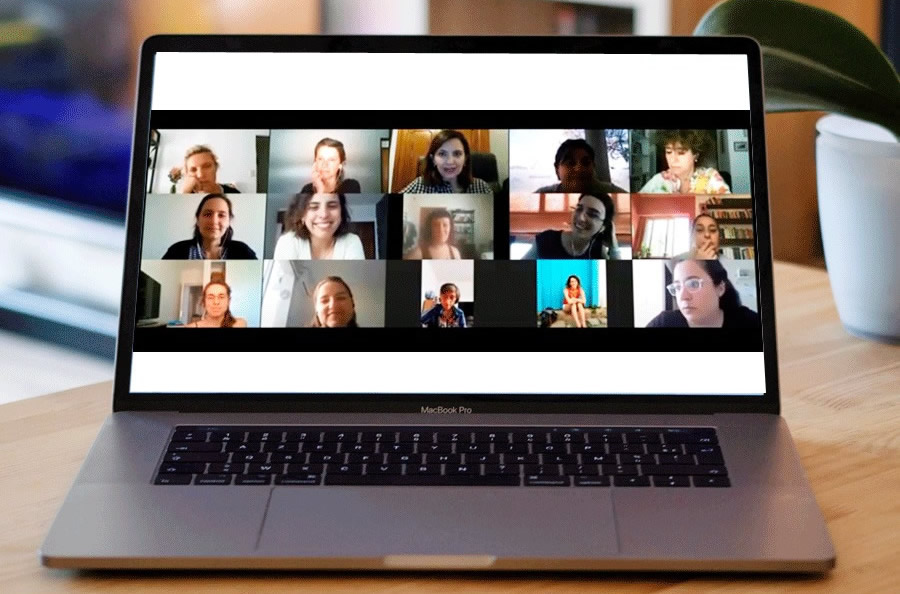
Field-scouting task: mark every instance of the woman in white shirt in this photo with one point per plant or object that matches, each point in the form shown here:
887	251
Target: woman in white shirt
317	228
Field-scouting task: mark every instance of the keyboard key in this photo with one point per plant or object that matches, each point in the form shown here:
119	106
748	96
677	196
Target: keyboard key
711	481
226	436
213	479
340	437
582	469
599	459
189	436
384	469
289	458
253	479
629	448
567	437
344	469
536	480
227	468
423	469
304	469
378	458
697	448
619	469
502	469
249	457
424	448
483	458
714	459
671	481
318	458
359	448
521	459
266	468
194	446
655	448
298	479
453	437
636	459
196	457
416	437
542	469
473	448
461	469
675	459
560	459
320	448
377	437
631	481
173	479
302	436
588	448
265	436
510	448
642	437
592	481
424	480
442	459
281	447
182	468
243	446
495	437
538	437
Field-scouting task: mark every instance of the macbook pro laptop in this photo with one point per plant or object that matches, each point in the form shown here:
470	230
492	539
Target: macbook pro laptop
446	303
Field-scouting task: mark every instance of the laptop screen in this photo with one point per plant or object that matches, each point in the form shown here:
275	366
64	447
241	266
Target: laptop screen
448	223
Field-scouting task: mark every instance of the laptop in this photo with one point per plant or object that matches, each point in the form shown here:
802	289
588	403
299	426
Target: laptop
464	303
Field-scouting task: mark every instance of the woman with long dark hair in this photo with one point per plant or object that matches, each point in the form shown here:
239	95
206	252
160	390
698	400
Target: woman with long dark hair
213	234
317	227
705	299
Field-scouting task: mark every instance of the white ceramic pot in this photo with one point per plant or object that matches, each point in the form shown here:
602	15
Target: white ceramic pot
858	174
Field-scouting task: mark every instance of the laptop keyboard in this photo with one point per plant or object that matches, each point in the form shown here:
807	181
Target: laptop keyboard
442	456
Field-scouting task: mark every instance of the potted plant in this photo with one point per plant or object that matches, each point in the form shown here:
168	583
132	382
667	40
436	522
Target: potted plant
814	60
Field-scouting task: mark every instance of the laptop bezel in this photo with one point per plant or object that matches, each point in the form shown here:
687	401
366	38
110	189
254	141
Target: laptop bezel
124	400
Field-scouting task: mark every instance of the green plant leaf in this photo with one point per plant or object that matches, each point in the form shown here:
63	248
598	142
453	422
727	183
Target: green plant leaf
812	59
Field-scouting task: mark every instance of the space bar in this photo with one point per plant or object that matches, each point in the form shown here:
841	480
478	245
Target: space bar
424	480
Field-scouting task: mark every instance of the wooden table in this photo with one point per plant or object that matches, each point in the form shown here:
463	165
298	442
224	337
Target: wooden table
841	398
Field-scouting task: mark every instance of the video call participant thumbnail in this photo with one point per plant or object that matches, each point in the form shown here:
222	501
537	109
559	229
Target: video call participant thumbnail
575	167
448	168
327	175
199	171
705	298
318	228
213	234
685	151
446	313
591	236
334	305
217	308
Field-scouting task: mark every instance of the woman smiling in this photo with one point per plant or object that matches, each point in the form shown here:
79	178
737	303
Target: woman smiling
213	234
318	228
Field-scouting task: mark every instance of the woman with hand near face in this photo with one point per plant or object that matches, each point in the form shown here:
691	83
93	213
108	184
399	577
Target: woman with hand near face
590	235
213	234
328	170
446	313
705	299
574	301
201	167
684	151
705	244
334	305
318	228
217	308
438	239
448	168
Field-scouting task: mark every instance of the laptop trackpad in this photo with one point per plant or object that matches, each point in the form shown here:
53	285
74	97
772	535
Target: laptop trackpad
403	521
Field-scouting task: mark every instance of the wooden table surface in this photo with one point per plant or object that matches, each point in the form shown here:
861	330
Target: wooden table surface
841	398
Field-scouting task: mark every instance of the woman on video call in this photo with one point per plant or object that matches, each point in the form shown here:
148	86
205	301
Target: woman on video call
705	299
448	168
438	240
318	228
574	301
330	159
685	150
334	305
446	313
576	171
213	234
217	308
705	239
591	235
200	169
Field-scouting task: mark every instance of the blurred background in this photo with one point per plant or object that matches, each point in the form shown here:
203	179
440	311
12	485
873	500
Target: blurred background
67	86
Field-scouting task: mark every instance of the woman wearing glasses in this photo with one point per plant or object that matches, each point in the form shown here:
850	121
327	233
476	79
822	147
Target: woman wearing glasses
705	299
591	235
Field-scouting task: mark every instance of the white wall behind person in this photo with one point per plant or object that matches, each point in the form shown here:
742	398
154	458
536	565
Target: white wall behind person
459	272
235	149
500	149
482	204
176	277
170	217
742	274
362	210
289	284
291	157
649	285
